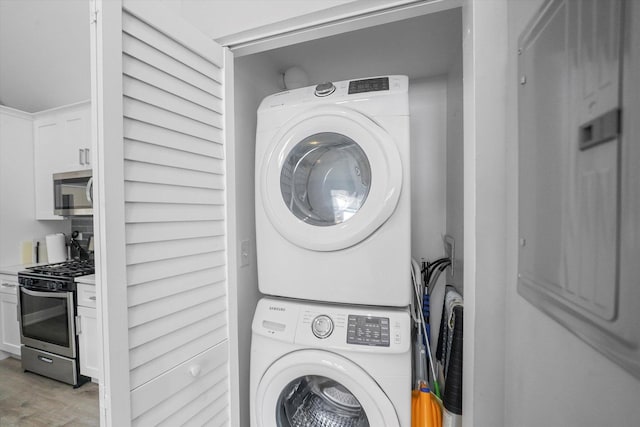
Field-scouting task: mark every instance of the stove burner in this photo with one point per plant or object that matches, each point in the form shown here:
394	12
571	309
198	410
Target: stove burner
73	268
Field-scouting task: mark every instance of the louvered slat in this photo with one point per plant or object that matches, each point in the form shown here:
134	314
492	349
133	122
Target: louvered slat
139	70
160	42
158	289
160	174
145	132
148	113
167	212
140	273
143	152
158	309
154	193
165	231
158	97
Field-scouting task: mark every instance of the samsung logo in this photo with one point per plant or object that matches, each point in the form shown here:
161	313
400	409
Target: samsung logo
276	308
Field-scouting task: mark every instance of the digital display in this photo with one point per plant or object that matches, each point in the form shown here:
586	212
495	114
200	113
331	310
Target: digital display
366	330
368	85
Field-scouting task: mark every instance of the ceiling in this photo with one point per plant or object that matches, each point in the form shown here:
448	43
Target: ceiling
44	44
44	53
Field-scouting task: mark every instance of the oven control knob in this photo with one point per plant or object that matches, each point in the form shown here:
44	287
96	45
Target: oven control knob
322	326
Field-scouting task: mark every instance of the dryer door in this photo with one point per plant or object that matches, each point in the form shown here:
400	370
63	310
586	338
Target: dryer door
319	388
330	178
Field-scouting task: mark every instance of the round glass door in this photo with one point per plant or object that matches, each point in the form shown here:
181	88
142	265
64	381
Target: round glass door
312	401
319	388
325	179
329	179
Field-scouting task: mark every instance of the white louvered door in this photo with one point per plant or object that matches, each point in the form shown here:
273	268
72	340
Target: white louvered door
160	218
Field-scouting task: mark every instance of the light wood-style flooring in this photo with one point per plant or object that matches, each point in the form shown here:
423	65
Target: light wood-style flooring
30	400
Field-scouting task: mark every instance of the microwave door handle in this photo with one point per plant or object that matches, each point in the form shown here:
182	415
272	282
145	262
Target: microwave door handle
44	294
89	190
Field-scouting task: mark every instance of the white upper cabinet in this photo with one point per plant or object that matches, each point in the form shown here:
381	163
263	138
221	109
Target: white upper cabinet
62	143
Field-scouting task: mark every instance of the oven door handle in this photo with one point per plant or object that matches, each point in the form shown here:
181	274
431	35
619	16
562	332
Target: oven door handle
60	294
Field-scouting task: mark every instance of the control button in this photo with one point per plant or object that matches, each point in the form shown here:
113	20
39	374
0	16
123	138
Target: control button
322	326
325	89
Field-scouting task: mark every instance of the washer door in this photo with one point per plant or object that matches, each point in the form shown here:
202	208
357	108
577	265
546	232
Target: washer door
319	388
330	178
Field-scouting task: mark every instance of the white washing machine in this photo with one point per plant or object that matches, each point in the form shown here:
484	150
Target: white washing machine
316	364
332	192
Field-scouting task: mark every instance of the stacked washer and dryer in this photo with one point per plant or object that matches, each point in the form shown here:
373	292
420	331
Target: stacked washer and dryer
331	340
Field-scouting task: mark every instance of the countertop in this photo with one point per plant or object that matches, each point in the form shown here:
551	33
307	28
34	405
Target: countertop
15	269
89	279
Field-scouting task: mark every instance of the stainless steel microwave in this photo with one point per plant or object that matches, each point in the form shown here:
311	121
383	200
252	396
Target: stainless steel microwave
73	193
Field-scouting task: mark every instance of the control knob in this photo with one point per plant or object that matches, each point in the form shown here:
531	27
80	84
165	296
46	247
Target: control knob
322	326
325	89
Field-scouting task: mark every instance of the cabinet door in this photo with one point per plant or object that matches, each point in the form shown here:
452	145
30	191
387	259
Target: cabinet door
76	138
47	158
89	343
161	192
10	329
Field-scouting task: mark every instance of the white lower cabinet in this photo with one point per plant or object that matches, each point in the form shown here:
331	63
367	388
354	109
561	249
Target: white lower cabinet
9	326
88	337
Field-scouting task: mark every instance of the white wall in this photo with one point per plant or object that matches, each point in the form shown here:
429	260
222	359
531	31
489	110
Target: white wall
552	377
255	78
17	204
455	170
484	66
428	109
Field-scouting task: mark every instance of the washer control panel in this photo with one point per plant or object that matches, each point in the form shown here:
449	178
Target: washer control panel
334	326
368	330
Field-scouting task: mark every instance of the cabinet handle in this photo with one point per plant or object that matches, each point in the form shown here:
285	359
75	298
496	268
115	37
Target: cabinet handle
78	325
87	156
92	298
8	285
81	156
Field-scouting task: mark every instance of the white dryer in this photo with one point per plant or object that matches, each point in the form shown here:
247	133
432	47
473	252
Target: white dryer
327	365
332	192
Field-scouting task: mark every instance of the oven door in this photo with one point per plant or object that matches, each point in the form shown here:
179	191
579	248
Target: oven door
47	321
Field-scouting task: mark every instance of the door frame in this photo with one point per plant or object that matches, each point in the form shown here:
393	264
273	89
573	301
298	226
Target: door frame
485	55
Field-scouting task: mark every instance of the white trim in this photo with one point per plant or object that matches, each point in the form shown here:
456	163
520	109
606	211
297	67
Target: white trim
337	20
62	107
107	128
232	239
16	113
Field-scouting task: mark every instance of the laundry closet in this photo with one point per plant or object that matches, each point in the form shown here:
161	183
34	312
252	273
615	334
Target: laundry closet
427	49
175	211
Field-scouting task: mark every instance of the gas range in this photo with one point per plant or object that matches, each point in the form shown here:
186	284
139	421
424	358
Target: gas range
59	276
47	316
